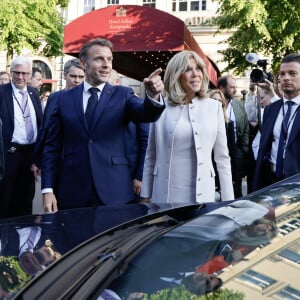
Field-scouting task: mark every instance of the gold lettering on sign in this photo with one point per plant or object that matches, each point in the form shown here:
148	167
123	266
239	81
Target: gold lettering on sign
121	12
199	21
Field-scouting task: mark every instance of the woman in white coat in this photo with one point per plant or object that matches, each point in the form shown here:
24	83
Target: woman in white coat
178	165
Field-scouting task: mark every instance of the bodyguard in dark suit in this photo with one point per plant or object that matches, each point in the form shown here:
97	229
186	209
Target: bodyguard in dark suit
278	155
21	114
85	151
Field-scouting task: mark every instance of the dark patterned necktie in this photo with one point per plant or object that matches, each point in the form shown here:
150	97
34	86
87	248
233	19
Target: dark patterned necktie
92	102
282	139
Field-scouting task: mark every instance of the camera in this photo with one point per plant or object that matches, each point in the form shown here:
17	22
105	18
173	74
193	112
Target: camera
258	75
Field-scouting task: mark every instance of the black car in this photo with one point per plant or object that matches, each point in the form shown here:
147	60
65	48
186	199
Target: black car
243	249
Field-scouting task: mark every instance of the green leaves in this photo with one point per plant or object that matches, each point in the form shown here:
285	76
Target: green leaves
32	24
267	27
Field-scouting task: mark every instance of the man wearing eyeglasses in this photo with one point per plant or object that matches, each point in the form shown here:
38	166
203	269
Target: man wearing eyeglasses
21	115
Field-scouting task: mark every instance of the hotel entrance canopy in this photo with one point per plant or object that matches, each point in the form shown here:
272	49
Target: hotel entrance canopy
143	38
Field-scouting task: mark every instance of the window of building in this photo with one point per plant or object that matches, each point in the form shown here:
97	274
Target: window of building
288	293
89	5
183	5
112	2
188	5
195	5
174	5
290	255
257	279
149	3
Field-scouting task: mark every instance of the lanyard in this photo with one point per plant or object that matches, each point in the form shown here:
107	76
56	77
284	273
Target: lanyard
23	110
291	118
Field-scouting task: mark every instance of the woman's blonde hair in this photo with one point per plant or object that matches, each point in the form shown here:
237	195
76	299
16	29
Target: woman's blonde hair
177	65
211	93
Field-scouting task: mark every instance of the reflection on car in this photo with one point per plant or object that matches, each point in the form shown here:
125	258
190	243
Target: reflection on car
233	249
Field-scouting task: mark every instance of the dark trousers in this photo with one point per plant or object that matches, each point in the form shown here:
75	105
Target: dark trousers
238	168
268	176
18	185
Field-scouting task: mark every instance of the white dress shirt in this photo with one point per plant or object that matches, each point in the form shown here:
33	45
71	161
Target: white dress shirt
19	134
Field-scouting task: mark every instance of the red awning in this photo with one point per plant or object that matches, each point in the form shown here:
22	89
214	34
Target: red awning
143	38
49	80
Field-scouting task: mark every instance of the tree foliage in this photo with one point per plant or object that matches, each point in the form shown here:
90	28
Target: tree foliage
267	27
32	24
183	294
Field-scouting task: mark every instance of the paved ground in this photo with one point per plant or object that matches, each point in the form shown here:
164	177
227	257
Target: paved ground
37	201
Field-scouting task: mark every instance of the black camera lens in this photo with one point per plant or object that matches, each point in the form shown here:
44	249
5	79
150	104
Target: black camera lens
257	76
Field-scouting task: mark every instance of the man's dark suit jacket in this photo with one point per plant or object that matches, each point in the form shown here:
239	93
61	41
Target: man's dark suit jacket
44	128
79	157
7	111
136	141
291	165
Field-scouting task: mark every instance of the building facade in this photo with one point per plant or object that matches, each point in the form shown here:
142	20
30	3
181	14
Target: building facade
197	15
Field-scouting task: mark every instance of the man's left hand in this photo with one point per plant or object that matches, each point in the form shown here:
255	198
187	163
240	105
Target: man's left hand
153	84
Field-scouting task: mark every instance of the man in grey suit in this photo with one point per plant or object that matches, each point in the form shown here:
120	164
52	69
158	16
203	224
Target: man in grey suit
236	112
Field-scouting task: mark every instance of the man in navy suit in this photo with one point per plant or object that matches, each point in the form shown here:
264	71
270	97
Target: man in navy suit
21	115
268	161
84	156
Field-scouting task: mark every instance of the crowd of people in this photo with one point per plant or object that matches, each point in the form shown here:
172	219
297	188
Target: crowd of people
97	143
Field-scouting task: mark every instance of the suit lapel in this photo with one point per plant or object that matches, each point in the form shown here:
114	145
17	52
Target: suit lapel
76	94
37	106
295	128
269	122
106	94
10	103
273	116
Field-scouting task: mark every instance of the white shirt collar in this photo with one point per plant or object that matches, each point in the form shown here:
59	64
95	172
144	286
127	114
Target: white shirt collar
16	90
296	100
86	86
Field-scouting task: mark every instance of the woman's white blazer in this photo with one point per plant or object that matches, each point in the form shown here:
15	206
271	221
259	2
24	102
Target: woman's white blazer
208	125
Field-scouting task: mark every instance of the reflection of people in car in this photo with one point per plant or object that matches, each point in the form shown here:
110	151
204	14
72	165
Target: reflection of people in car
27	243
30	264
242	219
242	223
35	262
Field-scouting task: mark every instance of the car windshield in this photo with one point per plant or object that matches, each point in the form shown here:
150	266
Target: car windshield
206	253
246	247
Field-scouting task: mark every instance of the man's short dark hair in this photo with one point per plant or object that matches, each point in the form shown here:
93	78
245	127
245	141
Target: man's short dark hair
4	72
292	57
88	45
35	70
72	62
222	81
